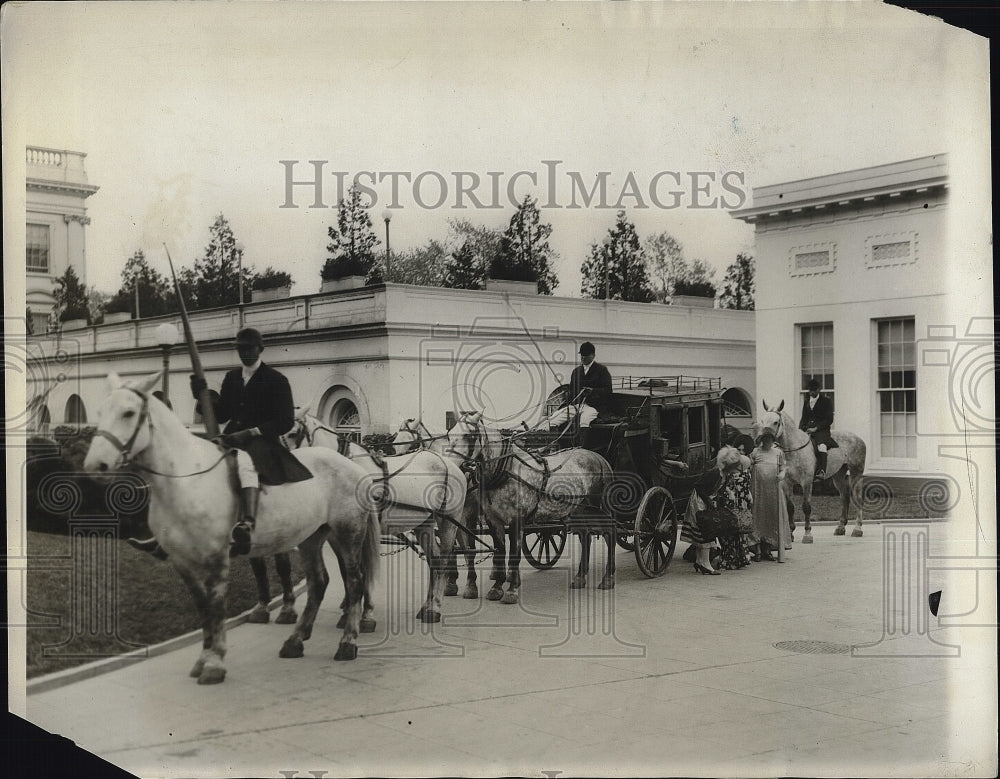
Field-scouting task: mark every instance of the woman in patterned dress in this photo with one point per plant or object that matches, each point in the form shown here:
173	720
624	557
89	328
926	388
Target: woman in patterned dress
710	490
735	495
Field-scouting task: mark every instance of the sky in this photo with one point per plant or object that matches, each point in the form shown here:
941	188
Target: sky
186	111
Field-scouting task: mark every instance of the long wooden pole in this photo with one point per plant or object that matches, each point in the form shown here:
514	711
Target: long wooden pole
204	398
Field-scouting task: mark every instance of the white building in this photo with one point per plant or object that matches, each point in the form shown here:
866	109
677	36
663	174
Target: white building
366	359
853	289
57	191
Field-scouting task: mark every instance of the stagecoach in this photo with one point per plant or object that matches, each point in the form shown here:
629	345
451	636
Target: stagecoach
660	434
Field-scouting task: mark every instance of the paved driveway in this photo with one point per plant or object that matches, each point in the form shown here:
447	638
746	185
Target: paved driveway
682	675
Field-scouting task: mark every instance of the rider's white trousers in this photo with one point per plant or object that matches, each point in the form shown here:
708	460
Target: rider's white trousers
245	470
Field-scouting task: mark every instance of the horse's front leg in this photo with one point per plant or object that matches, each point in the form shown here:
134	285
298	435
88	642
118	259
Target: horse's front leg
789	509
608	582
208	590
260	615
441	567
430	611
497	575
283	565
513	563
317	579
471	591
580	580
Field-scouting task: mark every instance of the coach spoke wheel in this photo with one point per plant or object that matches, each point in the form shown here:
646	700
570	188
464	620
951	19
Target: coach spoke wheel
655	532
543	548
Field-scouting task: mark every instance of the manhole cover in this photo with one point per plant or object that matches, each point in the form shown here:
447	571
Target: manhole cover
813	647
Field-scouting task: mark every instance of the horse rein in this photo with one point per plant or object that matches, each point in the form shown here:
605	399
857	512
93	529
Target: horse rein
124	450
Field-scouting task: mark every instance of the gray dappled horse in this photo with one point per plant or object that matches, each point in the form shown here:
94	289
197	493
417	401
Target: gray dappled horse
845	466
193	502
524	488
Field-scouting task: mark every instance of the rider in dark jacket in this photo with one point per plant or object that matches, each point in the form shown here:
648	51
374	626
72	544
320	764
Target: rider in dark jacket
817	419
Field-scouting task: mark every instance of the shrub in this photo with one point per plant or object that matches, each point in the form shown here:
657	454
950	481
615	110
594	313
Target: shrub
503	267
75	312
339	267
271	278
120	303
701	289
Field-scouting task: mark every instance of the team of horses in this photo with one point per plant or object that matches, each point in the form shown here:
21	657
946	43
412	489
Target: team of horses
432	486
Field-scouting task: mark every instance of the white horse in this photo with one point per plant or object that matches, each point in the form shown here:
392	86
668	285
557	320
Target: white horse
845	466
194	502
416	491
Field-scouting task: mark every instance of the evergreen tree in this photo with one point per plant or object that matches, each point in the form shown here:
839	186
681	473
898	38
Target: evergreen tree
461	271
616	268
483	243
352	242
155	293
212	282
524	253
71	297
738	286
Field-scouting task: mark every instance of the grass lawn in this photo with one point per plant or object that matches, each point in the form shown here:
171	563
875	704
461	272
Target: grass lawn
147	602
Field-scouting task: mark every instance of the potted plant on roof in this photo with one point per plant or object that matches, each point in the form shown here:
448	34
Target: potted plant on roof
698	294
118	309
271	284
340	273
506	274
74	317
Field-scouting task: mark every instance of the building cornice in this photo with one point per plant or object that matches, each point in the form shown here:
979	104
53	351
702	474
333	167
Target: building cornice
61	187
850	190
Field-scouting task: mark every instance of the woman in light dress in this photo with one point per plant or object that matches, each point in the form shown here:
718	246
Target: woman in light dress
769	510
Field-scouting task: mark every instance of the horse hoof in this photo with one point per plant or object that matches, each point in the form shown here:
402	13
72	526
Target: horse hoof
510	598
291	648
196	669
367	626
286	617
495	593
429	615
807	539
839	531
342	622
260	615
212	675
607	583
471	592
857	532
346	652
578	583
451	589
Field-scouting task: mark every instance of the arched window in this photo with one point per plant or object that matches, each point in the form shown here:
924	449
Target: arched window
737	404
76	412
345	420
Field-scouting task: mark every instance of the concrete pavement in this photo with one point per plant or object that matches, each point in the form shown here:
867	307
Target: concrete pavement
750	673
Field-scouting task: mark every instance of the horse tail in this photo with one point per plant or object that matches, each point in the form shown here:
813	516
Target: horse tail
370	550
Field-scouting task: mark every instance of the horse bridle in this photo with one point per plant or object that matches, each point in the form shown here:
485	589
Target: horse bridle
125	450
778	432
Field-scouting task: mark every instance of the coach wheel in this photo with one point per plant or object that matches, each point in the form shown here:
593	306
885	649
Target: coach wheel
655	532
626	542
543	548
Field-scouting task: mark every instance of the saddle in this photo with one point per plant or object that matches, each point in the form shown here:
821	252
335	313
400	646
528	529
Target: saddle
274	464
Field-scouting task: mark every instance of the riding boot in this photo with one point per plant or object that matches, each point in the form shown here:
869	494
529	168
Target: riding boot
242	534
821	465
150	545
